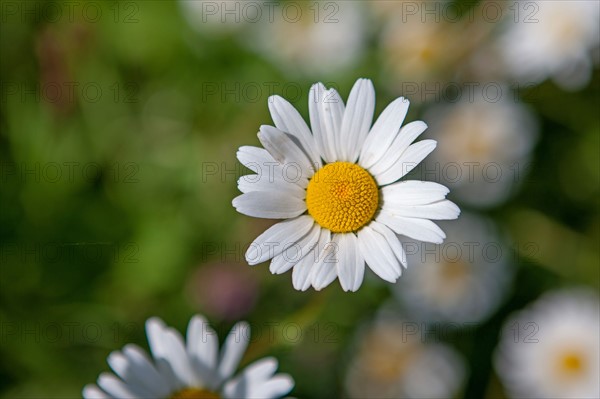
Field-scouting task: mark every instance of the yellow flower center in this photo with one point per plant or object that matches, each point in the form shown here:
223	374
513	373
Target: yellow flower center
342	197
571	363
195	393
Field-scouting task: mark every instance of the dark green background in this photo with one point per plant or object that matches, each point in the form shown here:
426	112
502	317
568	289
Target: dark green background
87	257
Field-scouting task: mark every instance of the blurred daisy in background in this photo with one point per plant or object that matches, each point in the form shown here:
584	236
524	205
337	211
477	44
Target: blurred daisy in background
189	370
551	349
392	361
312	38
463	280
485	141
424	55
552	39
343	203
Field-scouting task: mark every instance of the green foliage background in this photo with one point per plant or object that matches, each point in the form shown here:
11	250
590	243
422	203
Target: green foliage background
119	243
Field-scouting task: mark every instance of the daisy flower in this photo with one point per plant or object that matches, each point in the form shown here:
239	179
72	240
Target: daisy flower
188	370
393	362
333	33
464	280
485	141
429	52
551	349
337	189
552	39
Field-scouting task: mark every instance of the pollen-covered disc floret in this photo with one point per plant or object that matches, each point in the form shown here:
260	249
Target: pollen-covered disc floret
342	197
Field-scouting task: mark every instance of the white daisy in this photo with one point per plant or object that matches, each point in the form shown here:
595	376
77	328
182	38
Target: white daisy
338	189
391	363
421	55
551	349
312	38
552	39
485	142
463	280
188	370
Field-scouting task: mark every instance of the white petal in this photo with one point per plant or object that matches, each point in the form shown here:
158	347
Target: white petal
441	210
251	183
333	110
326	110
145	369
235	388
357	120
283	148
267	168
256	373
129	373
351	267
407	135
275	239
275	387
287	259
378	254
233	349
202	347
302	271
288	119
383	132
156	333
418	229
177	356
93	392
391	239
250	156
413	156
413	192
325	271
269	205
115	387
262	369
315	97
257	381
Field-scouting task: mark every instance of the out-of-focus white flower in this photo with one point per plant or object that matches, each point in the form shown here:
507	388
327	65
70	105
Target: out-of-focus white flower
484	144
551	349
188	370
463	280
391	363
421	53
552	39
313	38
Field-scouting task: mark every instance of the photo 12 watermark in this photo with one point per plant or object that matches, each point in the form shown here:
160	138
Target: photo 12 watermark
450	251
69	92
93	12
94	332
69	172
